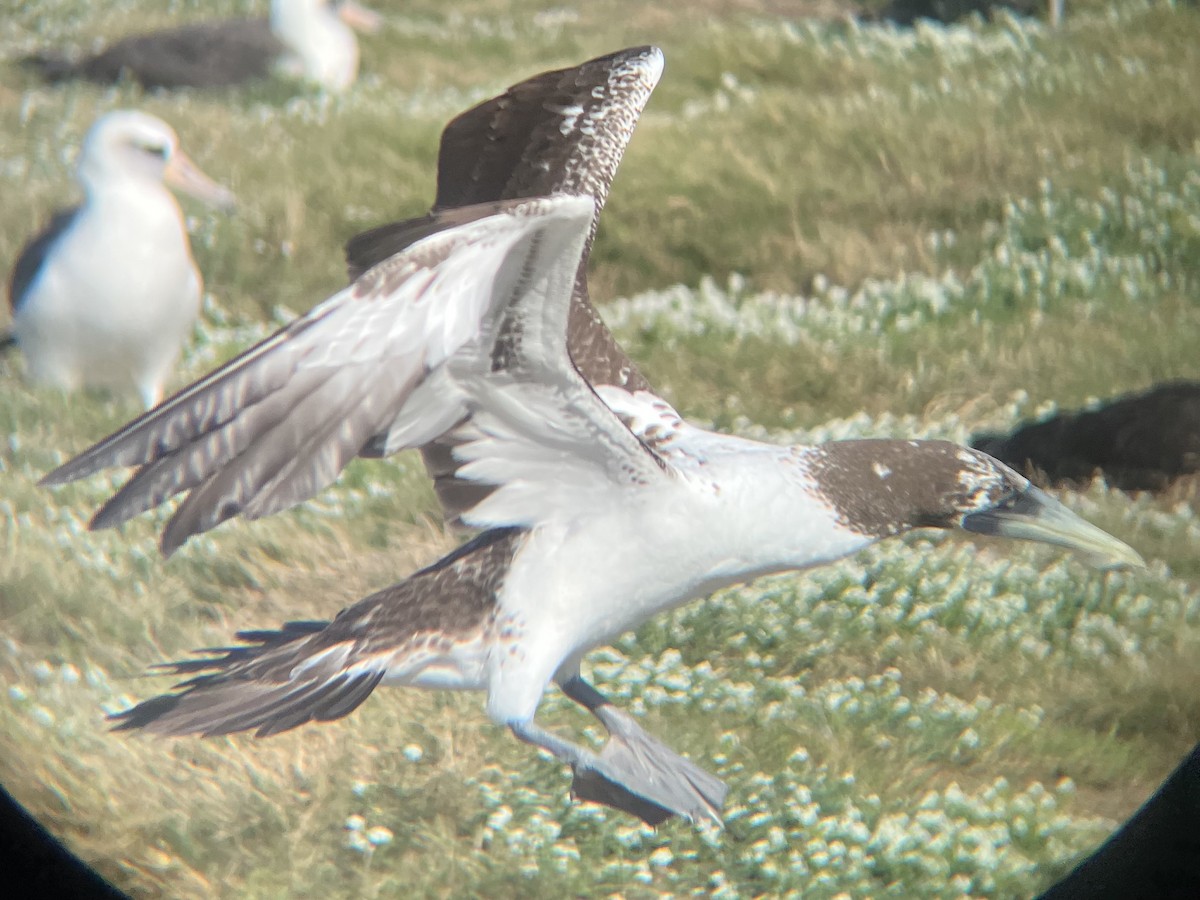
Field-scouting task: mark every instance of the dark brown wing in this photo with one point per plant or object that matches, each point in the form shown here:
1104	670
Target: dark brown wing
34	254
207	54
563	131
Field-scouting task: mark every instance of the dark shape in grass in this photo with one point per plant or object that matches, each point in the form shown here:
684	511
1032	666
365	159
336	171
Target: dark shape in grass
312	39
908	12
207	55
1140	442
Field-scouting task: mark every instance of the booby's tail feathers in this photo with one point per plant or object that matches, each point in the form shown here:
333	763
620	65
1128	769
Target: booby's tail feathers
317	671
273	683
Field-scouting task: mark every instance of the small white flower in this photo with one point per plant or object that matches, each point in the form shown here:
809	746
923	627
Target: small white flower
662	857
500	817
379	835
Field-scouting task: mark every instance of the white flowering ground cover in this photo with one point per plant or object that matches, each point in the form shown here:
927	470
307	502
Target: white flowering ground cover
823	229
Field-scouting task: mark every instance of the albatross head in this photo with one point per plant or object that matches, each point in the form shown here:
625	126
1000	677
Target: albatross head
885	487
128	148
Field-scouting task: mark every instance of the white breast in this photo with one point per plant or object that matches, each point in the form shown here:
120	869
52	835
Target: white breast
580	581
320	47
115	297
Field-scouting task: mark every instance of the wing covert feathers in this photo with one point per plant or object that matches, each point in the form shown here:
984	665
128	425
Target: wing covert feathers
279	422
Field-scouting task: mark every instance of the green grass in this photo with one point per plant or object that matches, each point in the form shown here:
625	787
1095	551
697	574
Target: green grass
821	230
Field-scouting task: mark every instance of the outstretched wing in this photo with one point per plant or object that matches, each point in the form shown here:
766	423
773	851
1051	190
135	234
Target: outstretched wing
560	132
540	435
275	425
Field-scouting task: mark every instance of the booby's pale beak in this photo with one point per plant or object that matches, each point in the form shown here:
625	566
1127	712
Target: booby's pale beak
185	175
1033	515
359	17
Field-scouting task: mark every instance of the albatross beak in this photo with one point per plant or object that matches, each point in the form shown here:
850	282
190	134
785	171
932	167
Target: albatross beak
1033	515
359	17
185	175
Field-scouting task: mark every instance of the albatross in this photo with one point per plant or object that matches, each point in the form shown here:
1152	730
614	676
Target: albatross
307	39
106	293
597	506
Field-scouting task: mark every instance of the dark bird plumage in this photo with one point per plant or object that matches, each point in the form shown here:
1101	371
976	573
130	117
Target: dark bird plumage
29	263
1138	442
309	39
207	54
34	253
256	687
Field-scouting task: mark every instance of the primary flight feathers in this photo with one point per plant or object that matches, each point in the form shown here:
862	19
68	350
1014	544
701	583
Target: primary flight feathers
385	355
560	132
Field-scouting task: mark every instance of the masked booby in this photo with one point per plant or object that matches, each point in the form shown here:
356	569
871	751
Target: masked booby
468	331
106	294
306	39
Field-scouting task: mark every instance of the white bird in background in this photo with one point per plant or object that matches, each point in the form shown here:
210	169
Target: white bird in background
309	39
319	40
106	294
599	507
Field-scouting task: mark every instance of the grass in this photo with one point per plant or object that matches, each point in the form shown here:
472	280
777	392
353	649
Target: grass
821	230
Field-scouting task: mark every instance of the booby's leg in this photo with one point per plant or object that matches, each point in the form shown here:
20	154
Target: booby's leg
637	765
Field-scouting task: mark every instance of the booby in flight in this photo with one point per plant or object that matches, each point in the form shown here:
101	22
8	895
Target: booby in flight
307	39
106	294
600	507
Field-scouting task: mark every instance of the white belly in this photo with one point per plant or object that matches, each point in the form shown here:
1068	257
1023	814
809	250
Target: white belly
112	304
578	584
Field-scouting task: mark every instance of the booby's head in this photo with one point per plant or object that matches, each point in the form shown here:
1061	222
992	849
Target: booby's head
319	36
127	147
885	487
